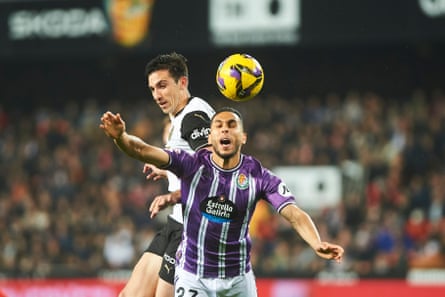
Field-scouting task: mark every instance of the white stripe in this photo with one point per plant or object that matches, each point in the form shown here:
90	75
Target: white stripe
225	230
203	228
188	206
243	240
201	240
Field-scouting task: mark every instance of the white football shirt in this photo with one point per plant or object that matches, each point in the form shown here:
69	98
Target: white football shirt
189	135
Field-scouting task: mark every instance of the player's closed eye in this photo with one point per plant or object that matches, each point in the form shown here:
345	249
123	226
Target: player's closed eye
232	124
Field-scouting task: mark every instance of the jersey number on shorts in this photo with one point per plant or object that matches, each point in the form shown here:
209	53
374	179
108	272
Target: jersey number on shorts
181	292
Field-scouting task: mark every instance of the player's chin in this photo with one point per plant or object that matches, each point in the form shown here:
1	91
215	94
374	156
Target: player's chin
225	154
165	107
165	110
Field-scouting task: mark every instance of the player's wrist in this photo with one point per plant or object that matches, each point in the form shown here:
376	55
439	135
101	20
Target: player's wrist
121	135
119	138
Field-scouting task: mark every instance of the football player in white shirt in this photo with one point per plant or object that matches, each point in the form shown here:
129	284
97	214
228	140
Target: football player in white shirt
167	78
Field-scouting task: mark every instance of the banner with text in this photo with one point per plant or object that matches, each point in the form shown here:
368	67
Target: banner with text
106	26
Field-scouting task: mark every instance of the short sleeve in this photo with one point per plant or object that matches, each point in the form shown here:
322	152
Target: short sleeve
195	129
276	191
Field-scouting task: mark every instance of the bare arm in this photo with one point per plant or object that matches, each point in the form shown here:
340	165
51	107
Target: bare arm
305	227
114	127
138	149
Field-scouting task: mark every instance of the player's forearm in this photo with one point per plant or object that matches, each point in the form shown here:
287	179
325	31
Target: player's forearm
138	149
129	144
303	224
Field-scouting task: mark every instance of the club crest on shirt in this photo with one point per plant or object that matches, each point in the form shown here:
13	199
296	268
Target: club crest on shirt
218	209
242	182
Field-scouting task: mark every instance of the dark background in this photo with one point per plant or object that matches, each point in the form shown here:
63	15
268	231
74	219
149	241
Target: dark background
390	47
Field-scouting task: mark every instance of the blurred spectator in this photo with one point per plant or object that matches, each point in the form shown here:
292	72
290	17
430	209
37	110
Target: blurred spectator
119	250
432	254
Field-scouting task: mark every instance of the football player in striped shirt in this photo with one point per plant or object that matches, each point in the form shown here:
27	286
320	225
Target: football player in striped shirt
219	191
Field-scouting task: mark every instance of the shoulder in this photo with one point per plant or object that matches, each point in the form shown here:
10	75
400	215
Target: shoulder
257	170
178	156
253	163
184	159
197	103
203	154
198	116
181	153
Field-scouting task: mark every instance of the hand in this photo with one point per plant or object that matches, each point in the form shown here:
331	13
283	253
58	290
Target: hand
163	201
328	250
112	124
154	172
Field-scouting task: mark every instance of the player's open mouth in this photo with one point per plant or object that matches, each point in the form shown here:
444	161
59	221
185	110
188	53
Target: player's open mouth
225	141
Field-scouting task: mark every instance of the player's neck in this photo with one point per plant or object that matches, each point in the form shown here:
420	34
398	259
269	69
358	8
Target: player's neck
226	163
181	106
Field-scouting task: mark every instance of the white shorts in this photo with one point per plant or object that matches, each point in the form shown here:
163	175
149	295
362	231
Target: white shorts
189	285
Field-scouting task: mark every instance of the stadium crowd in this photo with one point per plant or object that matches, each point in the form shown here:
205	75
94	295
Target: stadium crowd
72	205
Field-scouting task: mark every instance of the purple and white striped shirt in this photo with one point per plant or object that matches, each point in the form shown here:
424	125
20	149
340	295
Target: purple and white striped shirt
218	205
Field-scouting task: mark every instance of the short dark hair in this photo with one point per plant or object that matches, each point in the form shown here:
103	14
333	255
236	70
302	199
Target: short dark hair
228	109
175	63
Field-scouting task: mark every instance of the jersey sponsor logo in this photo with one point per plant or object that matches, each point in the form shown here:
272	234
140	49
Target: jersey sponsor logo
218	209
242	182
283	190
200	133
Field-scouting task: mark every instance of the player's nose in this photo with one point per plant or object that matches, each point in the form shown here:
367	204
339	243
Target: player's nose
156	95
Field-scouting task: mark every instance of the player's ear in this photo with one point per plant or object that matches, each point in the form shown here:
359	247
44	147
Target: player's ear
184	81
244	138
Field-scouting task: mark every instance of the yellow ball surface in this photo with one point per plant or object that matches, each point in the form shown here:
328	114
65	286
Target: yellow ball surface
240	77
